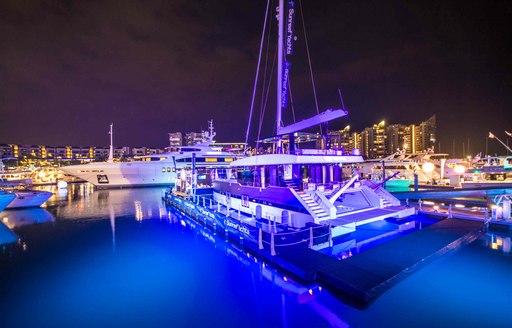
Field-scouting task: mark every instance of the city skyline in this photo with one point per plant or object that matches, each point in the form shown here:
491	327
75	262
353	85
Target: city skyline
71	68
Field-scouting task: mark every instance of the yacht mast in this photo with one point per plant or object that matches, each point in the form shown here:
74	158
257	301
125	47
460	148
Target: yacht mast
280	15
111	154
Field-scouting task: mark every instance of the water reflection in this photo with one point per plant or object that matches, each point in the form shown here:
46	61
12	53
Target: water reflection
498	242
113	228
290	289
20	217
81	201
137	261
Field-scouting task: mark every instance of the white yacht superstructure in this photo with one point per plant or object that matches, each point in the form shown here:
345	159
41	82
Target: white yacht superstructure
154	170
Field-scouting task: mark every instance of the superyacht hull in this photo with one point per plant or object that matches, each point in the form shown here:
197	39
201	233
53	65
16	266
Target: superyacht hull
119	175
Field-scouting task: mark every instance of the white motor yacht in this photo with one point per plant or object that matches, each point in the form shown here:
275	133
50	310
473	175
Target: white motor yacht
153	170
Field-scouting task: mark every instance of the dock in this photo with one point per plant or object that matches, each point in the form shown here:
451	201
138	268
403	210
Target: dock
364	275
368	274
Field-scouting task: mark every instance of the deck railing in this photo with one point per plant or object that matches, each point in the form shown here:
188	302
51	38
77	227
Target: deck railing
312	235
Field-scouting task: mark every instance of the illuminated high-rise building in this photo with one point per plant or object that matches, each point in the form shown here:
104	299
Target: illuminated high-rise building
382	140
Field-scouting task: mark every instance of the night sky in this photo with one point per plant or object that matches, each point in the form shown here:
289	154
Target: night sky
70	68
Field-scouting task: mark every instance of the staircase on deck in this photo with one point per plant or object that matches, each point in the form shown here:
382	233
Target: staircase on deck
317	199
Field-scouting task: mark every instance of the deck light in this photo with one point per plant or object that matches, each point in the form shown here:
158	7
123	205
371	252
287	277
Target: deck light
428	167
459	169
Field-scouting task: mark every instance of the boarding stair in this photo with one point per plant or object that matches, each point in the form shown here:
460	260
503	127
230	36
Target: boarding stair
314	208
293	184
384	195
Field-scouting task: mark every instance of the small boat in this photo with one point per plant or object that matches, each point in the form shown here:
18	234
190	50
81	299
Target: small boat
5	199
14	176
25	198
493	172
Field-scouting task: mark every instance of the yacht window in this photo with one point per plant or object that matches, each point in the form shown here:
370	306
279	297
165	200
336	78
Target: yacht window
168	169
245	201
163	169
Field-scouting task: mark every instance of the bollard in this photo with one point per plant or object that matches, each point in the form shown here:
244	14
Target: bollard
407	202
419	204
450	215
204	202
211	205
272	247
506	209
330	236
310	237
260	239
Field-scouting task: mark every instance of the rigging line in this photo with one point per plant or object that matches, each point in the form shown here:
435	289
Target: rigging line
264	95
291	100
266	98
257	74
309	61
341	98
266	65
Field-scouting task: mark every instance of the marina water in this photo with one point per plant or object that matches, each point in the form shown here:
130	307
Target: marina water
121	258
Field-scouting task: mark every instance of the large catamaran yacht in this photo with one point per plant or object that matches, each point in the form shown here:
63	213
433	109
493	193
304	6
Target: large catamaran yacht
301	187
155	170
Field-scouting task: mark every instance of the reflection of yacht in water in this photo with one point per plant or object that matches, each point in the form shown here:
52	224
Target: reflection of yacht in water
154	170
102	204
22	217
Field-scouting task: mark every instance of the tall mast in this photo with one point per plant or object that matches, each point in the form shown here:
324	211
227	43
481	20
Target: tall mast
111	154
280	43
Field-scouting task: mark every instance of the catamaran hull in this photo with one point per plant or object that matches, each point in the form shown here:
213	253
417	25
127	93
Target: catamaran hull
238	230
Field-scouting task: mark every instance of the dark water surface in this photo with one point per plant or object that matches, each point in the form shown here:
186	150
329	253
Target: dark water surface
119	258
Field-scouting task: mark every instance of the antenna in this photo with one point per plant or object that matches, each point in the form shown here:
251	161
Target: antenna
210	129
111	154
341	99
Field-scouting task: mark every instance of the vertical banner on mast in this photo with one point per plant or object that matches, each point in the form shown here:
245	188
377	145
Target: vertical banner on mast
290	39
284	88
290	26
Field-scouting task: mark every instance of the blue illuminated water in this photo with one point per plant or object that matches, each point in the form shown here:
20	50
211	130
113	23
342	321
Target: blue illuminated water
119	258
